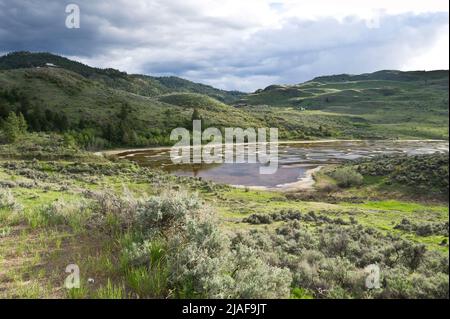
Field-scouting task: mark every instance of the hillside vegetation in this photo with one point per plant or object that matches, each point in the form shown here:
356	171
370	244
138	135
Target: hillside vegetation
134	83
135	232
102	113
383	104
104	108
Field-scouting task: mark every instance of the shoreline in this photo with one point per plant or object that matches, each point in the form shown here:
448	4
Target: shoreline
305	183
119	151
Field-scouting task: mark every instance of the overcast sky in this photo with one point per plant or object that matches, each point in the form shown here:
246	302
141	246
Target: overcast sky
236	44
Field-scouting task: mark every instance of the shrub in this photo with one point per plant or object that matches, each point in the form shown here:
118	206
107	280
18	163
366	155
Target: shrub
61	212
13	127
8	201
112	212
254	278
199	260
329	260
423	229
400	283
167	213
427	174
346	177
257	219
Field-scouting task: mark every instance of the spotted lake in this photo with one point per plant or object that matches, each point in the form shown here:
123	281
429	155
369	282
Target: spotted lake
297	161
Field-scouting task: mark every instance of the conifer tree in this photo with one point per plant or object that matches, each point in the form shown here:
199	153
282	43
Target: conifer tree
14	127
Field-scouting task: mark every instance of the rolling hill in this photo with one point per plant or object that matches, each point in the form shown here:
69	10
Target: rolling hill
106	107
385	103
134	83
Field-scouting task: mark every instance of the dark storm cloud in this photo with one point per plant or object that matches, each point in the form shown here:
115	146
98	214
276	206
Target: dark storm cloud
237	49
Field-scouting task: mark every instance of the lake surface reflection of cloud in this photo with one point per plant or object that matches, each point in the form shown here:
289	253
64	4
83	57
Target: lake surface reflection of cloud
294	160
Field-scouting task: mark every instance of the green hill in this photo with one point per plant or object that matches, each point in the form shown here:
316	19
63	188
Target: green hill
135	83
386	103
100	112
106	107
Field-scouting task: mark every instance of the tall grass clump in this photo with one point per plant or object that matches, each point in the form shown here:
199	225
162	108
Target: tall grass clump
111	291
59	213
145	268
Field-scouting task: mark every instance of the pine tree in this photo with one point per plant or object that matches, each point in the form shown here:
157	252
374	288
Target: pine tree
124	112
4	110
14	127
22	125
195	116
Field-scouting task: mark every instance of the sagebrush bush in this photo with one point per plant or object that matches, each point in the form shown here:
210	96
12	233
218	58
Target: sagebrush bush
427	173
166	213
329	260
7	200
399	283
423	229
200	259
346	176
254	278
111	211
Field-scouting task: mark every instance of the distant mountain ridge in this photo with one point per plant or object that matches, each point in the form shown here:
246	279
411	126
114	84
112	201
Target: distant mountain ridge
387	75
135	83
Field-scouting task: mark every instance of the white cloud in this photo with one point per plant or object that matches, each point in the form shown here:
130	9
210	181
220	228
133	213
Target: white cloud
433	58
237	44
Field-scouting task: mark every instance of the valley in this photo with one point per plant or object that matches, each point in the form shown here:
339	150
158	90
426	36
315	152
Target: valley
86	180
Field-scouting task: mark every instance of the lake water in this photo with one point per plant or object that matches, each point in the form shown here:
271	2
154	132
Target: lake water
295	160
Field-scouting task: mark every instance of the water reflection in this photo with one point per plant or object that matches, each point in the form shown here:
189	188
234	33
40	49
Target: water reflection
294	160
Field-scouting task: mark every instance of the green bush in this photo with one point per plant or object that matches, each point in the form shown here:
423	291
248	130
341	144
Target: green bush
166	213
8	201
426	173
346	177
329	261
201	262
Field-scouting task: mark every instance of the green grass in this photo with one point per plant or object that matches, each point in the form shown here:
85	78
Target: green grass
35	247
406	105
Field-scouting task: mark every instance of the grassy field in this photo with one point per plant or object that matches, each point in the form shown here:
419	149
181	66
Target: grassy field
137	232
63	210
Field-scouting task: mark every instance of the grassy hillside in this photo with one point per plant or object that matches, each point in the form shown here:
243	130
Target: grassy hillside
138	84
90	104
381	104
108	108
